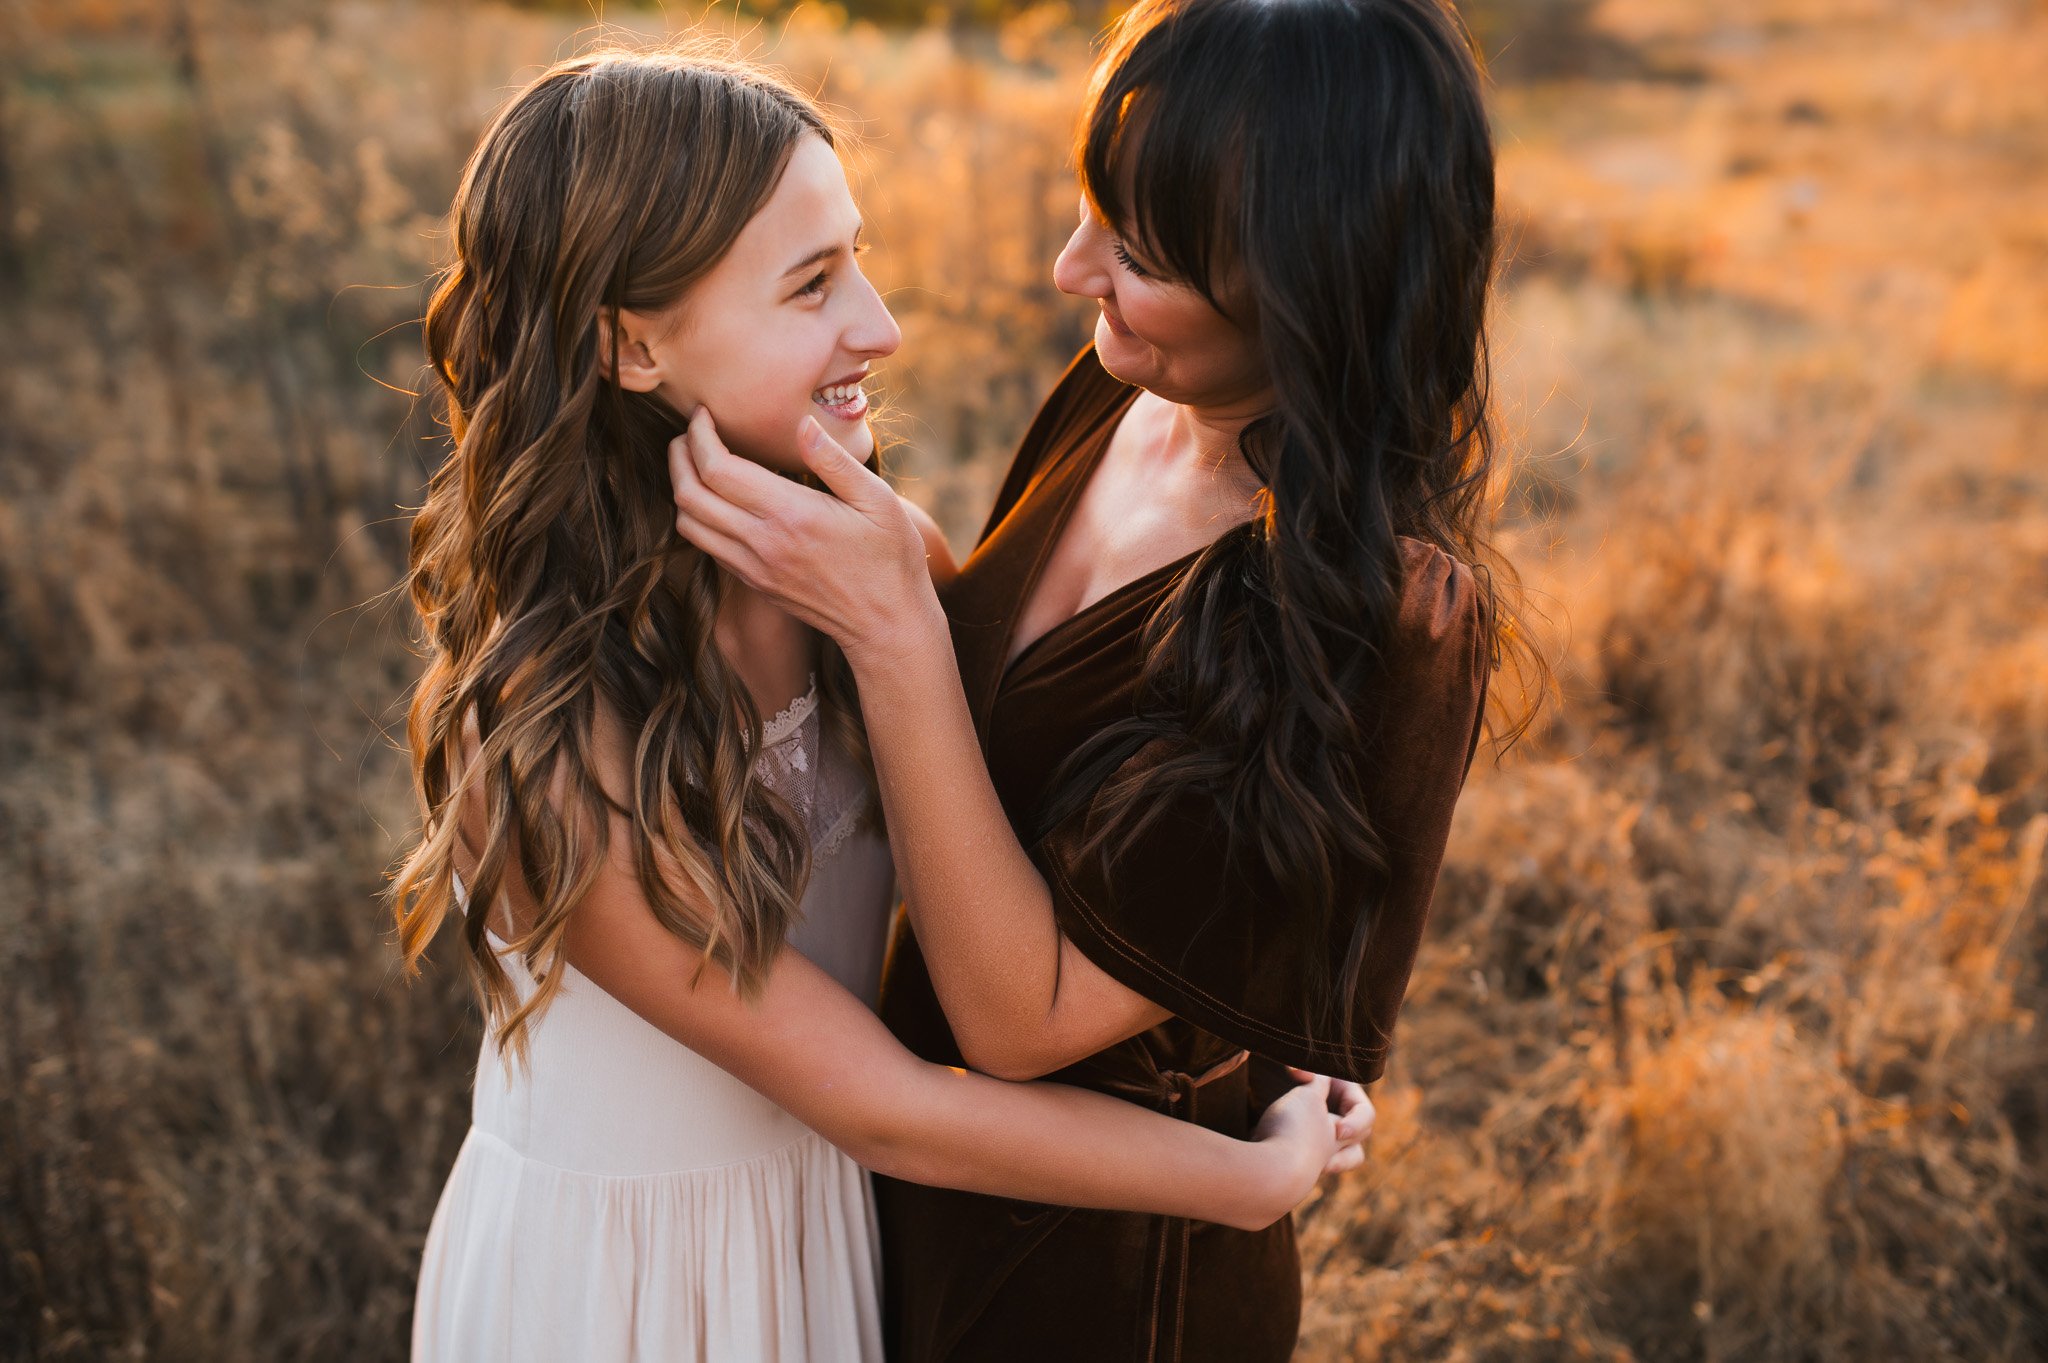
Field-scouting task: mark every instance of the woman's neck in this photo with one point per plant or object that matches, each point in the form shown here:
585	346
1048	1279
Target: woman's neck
1200	444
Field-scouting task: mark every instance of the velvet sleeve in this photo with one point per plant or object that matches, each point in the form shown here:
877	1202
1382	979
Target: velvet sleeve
1188	915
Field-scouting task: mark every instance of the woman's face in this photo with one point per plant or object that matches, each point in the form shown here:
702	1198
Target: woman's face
1157	334
784	326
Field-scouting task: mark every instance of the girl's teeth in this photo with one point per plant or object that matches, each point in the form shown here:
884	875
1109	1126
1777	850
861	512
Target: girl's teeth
836	397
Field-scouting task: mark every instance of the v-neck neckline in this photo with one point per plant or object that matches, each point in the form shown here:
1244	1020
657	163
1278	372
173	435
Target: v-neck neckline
1010	668
1062	516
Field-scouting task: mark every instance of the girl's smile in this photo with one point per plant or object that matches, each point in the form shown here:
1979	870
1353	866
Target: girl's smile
844	399
788	302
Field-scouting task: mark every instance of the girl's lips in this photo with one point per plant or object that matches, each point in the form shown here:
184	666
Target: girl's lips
852	410
1115	325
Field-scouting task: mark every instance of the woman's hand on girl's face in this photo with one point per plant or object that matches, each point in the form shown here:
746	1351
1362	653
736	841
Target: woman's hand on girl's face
851	564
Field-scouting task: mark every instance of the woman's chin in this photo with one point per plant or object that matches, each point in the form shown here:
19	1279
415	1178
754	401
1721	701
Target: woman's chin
1122	355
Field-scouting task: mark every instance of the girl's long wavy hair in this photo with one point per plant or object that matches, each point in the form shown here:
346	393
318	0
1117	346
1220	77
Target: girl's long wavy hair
545	567
1334	157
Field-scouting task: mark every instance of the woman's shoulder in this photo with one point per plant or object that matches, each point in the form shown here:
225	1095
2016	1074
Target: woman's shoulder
1442	654
1440	595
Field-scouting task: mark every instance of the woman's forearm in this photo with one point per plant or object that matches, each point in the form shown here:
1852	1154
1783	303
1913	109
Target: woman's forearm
1022	1000
982	912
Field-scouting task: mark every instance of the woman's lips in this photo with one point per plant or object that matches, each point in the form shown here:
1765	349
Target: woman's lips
1115	325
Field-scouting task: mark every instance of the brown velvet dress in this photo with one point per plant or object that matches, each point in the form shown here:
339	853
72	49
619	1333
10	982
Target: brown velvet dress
1182	919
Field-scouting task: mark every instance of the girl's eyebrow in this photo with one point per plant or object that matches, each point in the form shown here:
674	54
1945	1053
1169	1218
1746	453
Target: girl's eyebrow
823	253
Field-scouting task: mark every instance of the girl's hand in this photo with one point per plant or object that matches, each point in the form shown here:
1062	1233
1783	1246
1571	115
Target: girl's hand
1318	1128
1300	1133
851	563
1354	1114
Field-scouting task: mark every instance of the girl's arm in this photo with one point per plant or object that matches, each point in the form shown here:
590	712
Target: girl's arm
821	1055
940	565
1022	1000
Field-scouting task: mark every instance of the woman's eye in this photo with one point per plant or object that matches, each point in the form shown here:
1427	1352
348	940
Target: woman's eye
815	287
1125	257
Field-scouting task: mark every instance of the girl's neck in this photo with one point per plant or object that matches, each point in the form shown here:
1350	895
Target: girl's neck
773	652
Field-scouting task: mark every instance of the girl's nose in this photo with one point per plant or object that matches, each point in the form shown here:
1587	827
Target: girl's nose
874	331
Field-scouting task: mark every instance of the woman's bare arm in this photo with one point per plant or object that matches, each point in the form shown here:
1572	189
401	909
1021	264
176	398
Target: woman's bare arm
1022	1000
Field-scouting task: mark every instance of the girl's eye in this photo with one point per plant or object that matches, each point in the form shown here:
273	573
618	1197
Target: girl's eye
1125	257
816	286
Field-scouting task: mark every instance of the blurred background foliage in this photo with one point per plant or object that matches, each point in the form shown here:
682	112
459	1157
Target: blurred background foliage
1725	1044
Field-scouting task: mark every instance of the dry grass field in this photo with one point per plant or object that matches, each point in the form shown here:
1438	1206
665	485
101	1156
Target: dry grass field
1726	1043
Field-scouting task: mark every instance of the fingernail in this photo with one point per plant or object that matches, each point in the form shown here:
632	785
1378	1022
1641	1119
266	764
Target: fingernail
811	432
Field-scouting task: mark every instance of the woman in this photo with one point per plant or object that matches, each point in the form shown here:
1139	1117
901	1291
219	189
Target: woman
674	909
1182	746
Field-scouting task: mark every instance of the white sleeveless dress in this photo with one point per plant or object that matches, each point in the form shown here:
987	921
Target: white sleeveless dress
623	1198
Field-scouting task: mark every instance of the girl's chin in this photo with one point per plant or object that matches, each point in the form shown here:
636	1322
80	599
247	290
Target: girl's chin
786	456
857	439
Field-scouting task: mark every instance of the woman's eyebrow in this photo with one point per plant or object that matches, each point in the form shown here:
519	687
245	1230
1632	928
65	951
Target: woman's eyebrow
823	253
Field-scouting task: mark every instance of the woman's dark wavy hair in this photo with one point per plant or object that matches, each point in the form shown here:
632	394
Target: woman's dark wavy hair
1327	165
545	568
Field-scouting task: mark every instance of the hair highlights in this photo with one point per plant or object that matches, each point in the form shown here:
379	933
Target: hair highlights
549	581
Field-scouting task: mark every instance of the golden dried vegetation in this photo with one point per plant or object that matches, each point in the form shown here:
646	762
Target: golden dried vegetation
1725	1041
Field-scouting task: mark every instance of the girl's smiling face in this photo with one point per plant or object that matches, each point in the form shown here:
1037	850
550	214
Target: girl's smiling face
1158	333
784	326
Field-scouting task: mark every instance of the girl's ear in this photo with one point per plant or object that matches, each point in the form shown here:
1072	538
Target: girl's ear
639	372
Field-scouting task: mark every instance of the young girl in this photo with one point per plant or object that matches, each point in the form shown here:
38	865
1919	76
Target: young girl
635	848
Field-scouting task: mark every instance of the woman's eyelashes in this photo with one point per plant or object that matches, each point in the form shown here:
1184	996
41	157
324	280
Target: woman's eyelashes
1124	257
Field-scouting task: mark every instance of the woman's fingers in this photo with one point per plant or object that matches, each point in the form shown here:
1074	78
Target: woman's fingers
735	555
742	483
1346	1159
850	480
696	501
1348	1103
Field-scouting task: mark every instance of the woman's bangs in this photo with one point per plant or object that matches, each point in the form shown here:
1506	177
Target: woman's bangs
1161	168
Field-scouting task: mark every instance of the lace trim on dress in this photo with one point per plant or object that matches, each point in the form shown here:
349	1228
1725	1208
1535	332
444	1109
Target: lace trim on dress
836	836
828	793
790	717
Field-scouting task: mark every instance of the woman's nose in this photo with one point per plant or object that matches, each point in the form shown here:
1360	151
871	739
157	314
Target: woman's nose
1076	271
